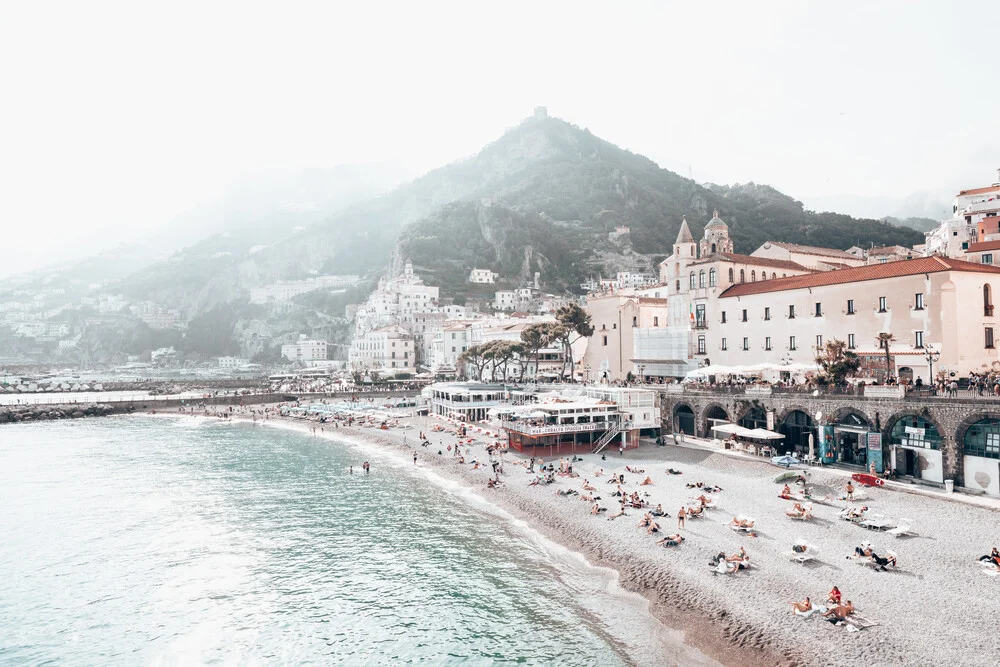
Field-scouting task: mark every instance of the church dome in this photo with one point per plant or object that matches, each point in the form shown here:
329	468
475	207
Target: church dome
716	222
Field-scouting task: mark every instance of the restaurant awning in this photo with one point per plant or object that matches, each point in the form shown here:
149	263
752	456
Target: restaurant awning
734	429
764	434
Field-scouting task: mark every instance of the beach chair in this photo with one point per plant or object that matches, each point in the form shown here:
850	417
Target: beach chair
746	529
903	529
878	522
804	556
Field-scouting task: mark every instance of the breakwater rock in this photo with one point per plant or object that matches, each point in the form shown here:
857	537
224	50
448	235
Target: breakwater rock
29	413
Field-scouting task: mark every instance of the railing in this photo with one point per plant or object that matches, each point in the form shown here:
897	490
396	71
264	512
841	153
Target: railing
557	428
603	441
893	391
759	391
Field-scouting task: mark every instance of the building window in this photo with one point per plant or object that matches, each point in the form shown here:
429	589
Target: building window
791	343
791	312
723	317
700	321
743	276
744	318
850	306
819	310
767	312
731	276
918	301
656	321
989	338
746	343
850	341
678	286
883	305
986	258
819	341
691	281
635	321
711	278
701	279
767	343
753	276
918	339
724	346
987	300
701	345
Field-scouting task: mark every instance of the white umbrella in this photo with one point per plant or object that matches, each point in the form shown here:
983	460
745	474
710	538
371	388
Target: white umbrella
811	445
735	429
764	434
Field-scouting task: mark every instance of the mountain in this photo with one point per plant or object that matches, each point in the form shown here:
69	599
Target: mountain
544	197
547	197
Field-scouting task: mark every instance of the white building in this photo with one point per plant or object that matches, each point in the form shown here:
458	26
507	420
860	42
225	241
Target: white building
305	350
505	300
971	208
482	276
389	348
231	362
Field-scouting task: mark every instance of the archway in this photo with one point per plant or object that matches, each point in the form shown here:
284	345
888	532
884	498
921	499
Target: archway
684	418
906	375
850	438
713	415
915	443
753	418
981	454
797	426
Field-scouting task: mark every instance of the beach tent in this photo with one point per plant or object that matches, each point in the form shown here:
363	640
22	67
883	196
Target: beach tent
763	434
734	429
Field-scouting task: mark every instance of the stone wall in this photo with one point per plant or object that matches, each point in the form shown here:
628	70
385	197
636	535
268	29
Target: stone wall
951	416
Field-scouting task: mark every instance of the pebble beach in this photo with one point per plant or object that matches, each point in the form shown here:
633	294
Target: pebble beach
937	606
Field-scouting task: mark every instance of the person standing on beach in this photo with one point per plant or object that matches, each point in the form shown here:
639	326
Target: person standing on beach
680	518
414	458
350	469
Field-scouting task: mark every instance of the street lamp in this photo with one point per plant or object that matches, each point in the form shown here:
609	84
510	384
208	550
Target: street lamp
931	355
642	373
586	370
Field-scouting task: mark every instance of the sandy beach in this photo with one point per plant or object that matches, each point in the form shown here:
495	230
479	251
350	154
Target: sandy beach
936	607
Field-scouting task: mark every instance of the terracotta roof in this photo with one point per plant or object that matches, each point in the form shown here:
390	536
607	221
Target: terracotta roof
979	191
812	250
908	267
985	245
652	300
750	260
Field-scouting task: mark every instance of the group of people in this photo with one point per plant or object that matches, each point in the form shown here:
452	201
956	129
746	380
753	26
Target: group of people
724	564
836	612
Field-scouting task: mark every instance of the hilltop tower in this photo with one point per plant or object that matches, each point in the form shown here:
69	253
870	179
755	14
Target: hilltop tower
716	237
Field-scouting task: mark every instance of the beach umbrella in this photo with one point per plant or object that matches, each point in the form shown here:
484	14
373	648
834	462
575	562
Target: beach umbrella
811	446
784	460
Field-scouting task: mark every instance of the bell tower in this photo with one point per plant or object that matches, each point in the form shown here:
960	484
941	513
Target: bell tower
716	239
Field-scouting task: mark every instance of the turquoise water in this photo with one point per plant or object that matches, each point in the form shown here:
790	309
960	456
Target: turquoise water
142	540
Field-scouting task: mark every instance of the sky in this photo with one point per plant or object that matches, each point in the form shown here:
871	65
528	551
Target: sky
118	116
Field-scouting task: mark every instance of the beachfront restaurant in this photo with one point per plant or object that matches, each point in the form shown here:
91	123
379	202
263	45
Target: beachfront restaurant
567	427
468	401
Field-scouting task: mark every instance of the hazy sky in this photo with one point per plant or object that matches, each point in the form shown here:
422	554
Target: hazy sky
116	116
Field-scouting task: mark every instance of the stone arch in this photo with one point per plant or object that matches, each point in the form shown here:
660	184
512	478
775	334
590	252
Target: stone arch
950	464
761	415
841	413
982	472
970	419
712	411
779	417
683	418
796	435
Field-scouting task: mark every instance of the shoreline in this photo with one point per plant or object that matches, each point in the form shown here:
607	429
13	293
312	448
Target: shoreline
744	618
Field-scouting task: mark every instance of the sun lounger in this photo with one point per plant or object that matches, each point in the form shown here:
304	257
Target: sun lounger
877	522
903	529
804	556
748	529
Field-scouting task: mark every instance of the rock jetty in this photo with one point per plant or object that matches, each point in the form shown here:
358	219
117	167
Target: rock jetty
29	413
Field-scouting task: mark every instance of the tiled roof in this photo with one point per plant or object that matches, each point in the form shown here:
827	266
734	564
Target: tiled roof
985	245
980	191
908	267
813	250
751	260
652	301
765	261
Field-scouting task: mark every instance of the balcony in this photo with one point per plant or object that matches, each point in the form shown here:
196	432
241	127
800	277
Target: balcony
555	429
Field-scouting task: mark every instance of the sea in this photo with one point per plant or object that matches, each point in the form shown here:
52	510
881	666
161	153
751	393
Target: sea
154	540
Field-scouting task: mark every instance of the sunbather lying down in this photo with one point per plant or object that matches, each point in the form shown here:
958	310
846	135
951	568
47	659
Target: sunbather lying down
800	511
854	513
840	612
739	522
671	540
674	472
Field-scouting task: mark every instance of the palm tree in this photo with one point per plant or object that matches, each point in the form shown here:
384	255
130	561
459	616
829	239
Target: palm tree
884	339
